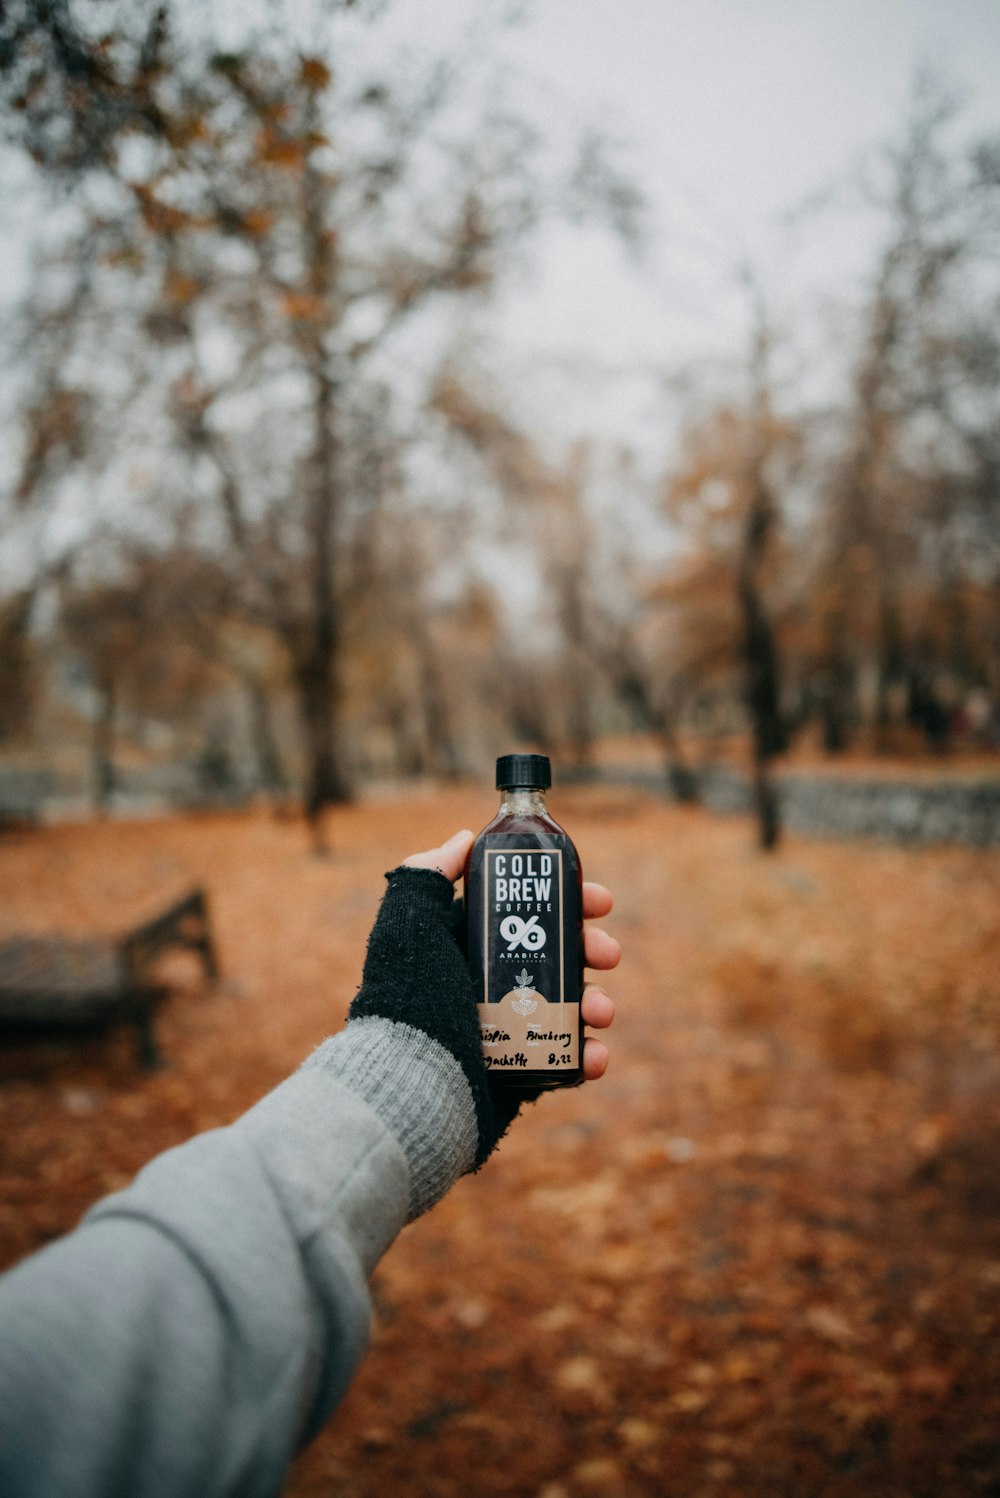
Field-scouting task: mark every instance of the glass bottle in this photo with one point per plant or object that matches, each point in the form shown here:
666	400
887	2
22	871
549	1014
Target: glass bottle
524	929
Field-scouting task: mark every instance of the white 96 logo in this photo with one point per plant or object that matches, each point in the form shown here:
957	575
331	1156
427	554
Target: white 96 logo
527	934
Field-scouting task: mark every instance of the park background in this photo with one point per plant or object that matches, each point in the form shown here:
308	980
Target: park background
384	391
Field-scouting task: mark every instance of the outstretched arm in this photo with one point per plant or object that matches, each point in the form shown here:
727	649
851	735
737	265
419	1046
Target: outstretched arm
201	1324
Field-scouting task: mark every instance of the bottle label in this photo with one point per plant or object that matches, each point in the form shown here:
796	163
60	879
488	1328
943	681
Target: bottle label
529	1008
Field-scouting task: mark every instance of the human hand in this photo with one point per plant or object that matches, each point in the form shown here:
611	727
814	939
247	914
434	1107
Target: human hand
415	975
601	951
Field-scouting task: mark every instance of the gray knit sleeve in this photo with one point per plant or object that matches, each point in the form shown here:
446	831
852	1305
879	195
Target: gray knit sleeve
420	1092
201	1324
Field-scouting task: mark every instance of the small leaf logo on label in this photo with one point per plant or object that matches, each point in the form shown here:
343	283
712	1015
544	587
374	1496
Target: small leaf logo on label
524	1003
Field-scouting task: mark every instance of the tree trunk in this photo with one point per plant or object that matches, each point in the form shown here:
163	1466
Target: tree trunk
327	781
763	694
527	716
270	771
834	712
15	663
318	664
579	716
836	688
760	651
766	804
763	701
437	715
103	746
889	670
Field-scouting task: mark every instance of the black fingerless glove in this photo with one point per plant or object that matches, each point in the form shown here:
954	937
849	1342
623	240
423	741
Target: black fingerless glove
415	974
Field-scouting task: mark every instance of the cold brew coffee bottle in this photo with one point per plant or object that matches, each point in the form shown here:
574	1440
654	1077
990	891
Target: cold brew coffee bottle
524	914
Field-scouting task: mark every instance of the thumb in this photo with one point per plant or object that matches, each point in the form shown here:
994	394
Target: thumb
449	859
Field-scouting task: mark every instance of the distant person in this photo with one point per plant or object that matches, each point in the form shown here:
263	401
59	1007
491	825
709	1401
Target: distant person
200	1326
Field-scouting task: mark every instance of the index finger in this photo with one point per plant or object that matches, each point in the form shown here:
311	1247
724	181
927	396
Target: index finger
596	899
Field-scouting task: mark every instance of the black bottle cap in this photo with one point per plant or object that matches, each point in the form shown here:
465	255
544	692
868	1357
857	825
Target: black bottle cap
523	772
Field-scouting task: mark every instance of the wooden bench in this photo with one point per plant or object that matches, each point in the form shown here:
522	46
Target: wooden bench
50	984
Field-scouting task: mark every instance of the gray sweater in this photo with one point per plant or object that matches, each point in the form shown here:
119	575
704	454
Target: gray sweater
200	1325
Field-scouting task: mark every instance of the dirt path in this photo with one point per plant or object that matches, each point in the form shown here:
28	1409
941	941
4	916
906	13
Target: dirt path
761	1257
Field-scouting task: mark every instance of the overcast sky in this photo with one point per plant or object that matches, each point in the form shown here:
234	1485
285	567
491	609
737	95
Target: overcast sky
734	115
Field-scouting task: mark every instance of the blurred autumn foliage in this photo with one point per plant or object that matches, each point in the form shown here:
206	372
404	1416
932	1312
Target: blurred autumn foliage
270	513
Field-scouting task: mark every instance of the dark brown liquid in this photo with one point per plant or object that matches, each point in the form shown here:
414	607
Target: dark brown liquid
528	832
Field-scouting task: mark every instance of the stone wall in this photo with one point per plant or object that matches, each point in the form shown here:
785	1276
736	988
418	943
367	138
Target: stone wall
28	795
952	810
918	810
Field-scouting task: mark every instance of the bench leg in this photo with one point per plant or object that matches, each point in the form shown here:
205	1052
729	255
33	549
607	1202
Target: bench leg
206	945
206	949
148	1050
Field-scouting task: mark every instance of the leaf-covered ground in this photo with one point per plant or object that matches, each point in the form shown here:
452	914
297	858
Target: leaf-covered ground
762	1256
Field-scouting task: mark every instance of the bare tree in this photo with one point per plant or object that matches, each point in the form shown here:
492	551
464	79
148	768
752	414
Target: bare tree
760	650
148	641
16	684
726	496
254	267
901	501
